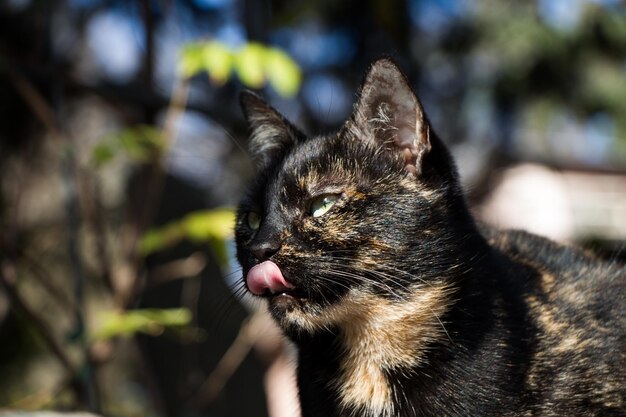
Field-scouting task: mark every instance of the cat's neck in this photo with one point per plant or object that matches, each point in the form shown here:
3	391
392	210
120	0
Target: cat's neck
379	341
380	334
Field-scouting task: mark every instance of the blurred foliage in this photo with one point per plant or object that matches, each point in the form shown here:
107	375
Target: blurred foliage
206	226
254	64
604	85
581	67
150	321
140	144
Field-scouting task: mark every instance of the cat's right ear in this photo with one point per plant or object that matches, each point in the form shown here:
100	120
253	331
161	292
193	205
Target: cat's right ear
389	113
271	135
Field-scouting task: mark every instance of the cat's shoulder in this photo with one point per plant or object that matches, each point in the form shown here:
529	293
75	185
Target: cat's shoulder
552	257
568	279
576	311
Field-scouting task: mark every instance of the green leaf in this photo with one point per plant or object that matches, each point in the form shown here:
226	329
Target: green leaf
142	143
206	226
191	60
161	238
211	57
217	60
213	227
149	321
283	73
250	64
220	250
102	154
254	63
201	226
604	84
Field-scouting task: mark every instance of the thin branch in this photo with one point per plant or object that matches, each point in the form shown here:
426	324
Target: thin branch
92	206
148	58
249	332
155	184
7	280
189	267
70	176
43	278
36	102
69	170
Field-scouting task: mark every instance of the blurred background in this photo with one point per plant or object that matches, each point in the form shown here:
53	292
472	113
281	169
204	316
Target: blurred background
122	155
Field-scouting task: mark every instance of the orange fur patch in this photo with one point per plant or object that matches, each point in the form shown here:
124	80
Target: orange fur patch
378	334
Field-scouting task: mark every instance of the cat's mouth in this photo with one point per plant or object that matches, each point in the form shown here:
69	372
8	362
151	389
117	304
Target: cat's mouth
266	280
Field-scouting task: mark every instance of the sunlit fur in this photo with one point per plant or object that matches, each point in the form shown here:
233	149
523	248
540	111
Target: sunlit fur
404	306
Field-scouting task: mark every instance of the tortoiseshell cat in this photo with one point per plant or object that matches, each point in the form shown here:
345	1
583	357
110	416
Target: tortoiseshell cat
398	303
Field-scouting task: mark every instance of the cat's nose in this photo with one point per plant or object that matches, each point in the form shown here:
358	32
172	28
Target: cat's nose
265	249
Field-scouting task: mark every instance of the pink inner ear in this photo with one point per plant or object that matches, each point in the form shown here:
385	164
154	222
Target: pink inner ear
406	135
389	110
266	276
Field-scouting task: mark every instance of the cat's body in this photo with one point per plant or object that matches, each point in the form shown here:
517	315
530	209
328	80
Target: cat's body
398	303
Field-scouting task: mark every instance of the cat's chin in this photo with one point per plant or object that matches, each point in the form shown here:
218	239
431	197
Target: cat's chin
293	314
284	303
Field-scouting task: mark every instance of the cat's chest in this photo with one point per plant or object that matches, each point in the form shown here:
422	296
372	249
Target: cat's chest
377	337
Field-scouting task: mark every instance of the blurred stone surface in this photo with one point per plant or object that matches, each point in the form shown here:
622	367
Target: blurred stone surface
564	205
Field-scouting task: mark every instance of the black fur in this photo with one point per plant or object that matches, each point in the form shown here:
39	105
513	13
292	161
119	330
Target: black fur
517	325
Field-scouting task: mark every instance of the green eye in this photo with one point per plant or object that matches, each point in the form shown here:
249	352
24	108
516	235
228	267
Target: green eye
253	220
320	205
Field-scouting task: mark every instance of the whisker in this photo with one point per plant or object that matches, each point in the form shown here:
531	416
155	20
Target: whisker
233	138
390	268
389	289
391	278
361	278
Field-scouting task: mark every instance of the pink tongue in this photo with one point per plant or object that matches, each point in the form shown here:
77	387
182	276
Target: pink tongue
266	276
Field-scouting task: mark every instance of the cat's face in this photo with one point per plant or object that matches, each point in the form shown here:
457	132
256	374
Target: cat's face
332	219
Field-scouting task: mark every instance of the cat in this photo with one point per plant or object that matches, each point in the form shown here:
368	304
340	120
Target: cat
401	304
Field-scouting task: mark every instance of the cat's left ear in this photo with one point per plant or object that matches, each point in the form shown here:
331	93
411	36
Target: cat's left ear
271	134
389	112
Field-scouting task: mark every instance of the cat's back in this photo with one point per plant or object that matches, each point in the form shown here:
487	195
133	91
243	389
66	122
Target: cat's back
576	306
573	280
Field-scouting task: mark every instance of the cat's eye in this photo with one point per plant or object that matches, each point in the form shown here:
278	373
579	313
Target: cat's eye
253	220
321	204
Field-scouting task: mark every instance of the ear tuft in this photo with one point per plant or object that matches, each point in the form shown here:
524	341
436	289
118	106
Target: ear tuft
389	112
270	133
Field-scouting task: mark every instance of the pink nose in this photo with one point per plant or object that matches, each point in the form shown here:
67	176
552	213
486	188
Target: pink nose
267	276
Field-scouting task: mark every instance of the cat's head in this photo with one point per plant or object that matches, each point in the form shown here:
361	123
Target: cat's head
367	212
